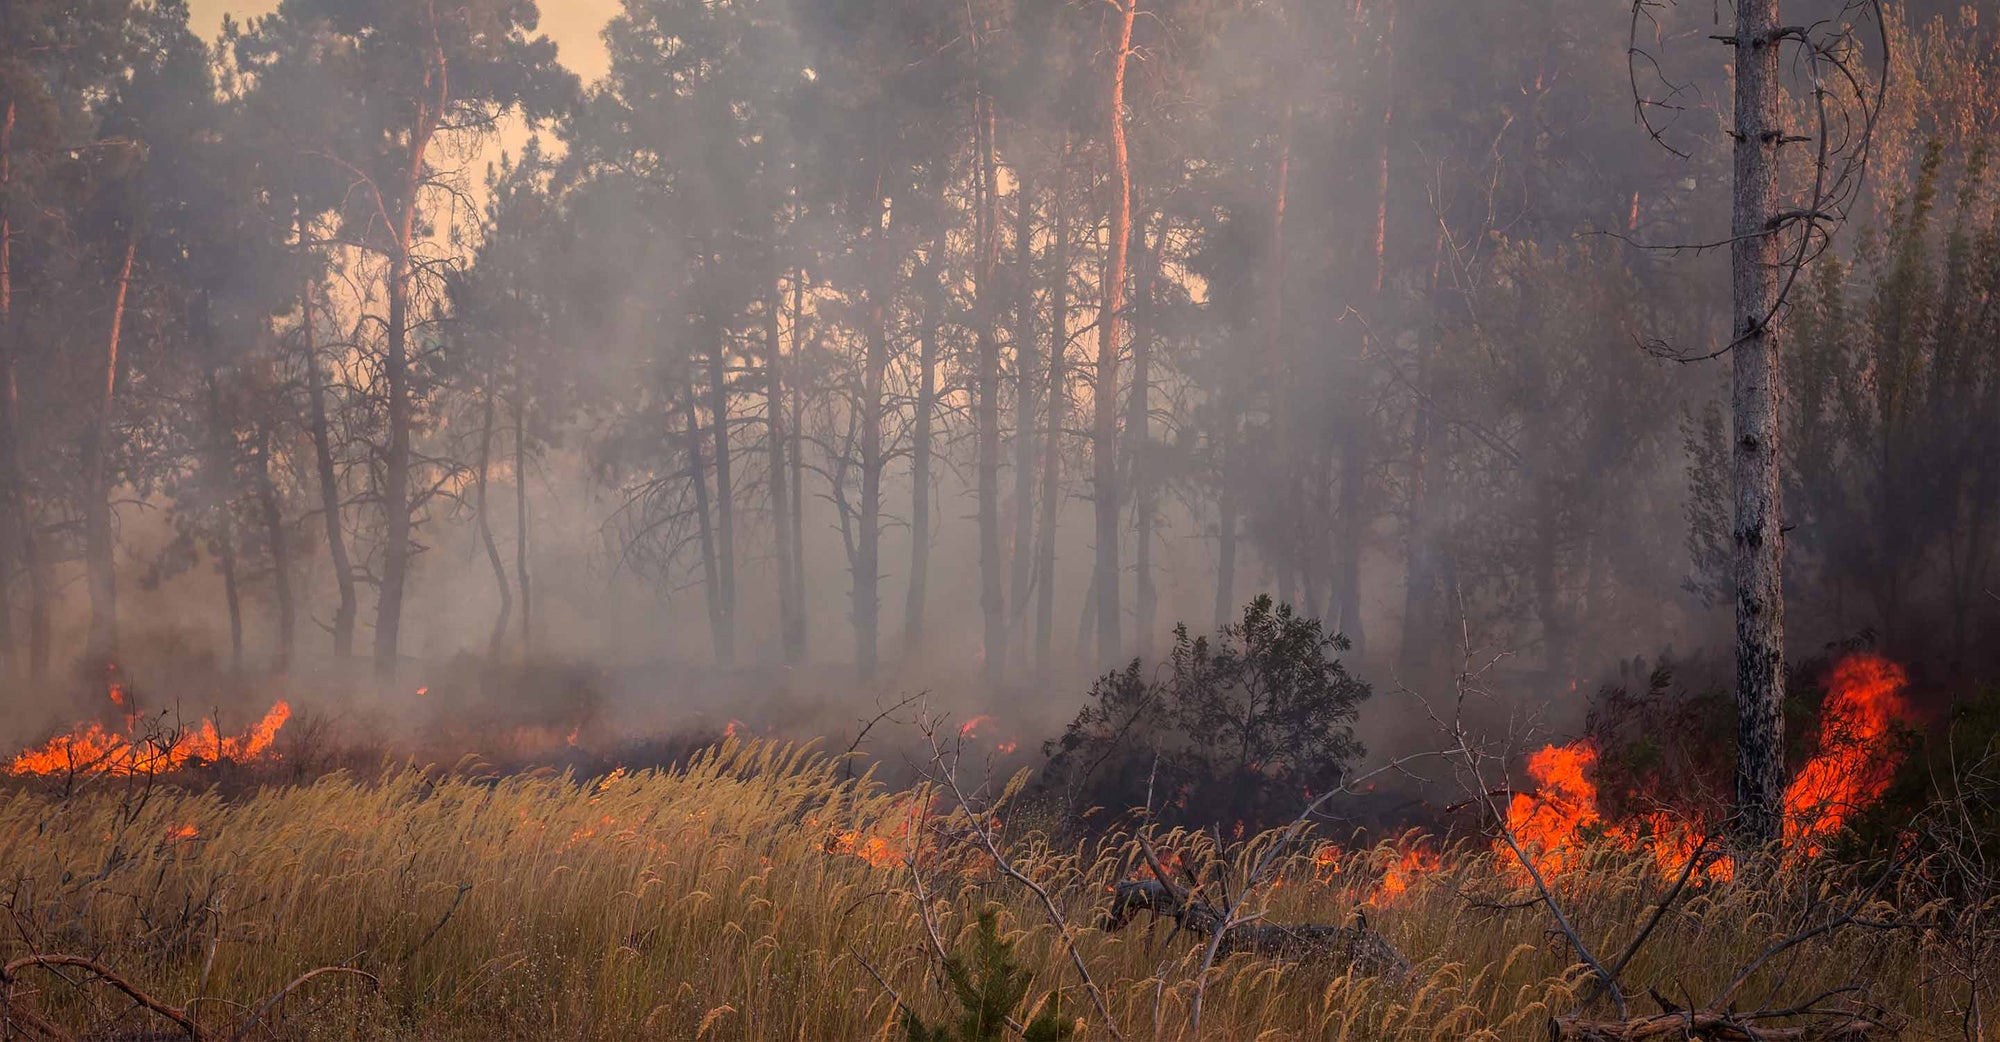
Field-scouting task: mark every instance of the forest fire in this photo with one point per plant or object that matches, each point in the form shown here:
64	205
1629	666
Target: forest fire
1850	770
92	748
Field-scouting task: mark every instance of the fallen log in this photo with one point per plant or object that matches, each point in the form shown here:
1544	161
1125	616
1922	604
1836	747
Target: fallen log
1355	945
1711	1025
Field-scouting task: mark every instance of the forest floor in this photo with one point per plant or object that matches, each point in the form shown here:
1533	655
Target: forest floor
758	893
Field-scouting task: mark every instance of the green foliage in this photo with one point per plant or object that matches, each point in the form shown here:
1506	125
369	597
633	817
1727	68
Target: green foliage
989	987
1238	729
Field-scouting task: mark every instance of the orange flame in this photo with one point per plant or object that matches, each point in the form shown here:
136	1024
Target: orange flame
1548	823
969	728
1417	860
92	748
1855	762
1852	768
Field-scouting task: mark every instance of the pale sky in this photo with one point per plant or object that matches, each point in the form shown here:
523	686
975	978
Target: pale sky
573	24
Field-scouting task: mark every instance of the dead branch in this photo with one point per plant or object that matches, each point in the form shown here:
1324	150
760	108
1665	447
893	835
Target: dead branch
1707	1024
1354	946
12	970
243	1029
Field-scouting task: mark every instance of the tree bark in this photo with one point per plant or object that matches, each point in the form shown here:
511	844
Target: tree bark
992	609
485	522
100	569
710	567
780	482
1104	445
798	631
329	480
725	491
1759	537
221	476
867	565
1058	405
1287	437
1027	406
10	538
522	531
396	469
280	547
1138	438
930	295
1226	521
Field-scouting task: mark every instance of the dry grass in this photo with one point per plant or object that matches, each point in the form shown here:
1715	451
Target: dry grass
727	901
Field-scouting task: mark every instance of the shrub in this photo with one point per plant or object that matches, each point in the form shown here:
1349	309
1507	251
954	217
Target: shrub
1243	728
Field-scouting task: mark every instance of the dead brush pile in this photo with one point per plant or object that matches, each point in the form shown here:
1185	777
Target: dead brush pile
755	894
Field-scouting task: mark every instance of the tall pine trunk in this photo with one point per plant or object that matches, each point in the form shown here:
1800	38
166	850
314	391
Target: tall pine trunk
9	517
1759	537
329	480
725	491
780	481
1027	404
1058	406
1138	437
1226	520
930	297
1286	436
522	531
868	557
710	569
1104	443
222	479
396	469
798	634
1355	441
485	521
100	569
280	548
991	608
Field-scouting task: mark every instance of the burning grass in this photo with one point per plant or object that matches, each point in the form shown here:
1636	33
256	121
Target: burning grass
739	896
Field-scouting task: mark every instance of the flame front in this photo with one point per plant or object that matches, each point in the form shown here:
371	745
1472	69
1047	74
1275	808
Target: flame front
1852	768
92	748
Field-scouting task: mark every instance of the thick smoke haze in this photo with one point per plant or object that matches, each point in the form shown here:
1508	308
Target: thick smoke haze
638	348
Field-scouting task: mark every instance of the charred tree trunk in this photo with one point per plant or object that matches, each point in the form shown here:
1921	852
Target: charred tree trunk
1226	521
10	491
1420	555
867	563
798	633
1138	437
1104	444
930	295
1759	542
522	530
18	526
1058	404
485	521
101	571
1421	529
710	568
280	547
396	469
725	493
774	422
1026	406
329	480
221	477
991	608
